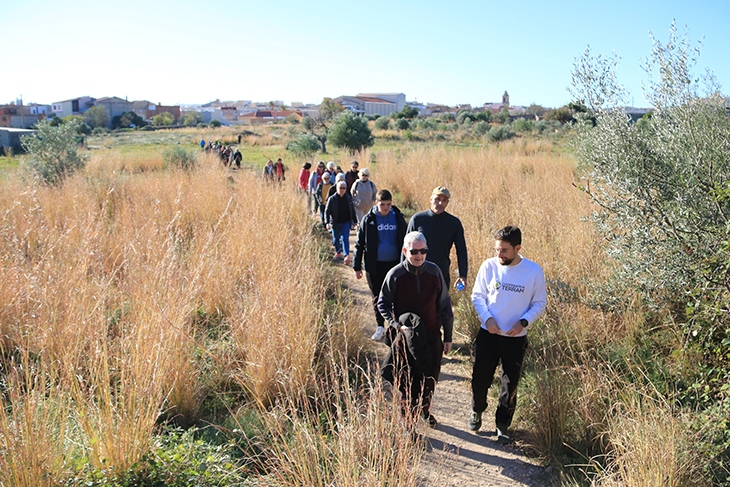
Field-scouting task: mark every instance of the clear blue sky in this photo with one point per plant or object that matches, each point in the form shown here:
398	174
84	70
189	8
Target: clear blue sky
433	51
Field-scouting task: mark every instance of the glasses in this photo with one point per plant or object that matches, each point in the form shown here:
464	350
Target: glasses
418	251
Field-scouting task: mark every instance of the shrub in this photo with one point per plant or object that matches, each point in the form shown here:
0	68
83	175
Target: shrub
180	158
382	123
522	125
52	153
305	145
481	128
500	133
215	123
99	131
402	124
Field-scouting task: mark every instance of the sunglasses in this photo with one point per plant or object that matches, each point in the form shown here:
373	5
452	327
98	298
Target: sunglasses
418	251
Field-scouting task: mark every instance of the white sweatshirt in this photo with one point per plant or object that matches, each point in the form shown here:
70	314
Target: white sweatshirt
509	293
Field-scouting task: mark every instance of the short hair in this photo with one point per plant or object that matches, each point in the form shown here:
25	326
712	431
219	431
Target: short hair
383	195
326	176
414	237
355	162
307	165
341	184
510	234
364	172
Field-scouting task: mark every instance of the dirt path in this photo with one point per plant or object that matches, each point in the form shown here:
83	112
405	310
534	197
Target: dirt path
457	456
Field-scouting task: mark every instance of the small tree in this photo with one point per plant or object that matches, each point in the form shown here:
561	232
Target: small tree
52	153
407	112
351	132
97	116
402	124
193	118
319	124
163	118
215	123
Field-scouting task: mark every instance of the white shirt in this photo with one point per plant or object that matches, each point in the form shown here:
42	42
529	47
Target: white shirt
509	293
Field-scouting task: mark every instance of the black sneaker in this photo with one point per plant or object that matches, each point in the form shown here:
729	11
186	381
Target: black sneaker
430	420
475	421
502	437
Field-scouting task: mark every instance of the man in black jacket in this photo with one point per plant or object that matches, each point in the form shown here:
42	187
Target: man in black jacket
443	230
379	241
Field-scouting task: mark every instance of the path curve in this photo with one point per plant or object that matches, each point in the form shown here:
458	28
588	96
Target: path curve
456	456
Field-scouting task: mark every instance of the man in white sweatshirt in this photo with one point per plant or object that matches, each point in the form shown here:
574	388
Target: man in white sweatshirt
508	295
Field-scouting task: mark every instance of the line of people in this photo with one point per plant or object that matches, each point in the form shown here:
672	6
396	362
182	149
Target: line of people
274	171
407	268
229	156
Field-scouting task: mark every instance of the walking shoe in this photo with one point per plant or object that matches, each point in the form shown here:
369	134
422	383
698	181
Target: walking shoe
338	256
347	259
475	421
379	334
502	436
430	420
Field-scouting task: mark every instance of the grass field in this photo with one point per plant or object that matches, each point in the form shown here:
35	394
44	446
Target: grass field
186	327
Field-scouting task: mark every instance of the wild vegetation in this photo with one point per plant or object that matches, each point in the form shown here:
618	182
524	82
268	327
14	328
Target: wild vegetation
165	321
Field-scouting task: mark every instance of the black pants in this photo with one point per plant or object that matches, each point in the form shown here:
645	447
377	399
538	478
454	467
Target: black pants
490	350
375	282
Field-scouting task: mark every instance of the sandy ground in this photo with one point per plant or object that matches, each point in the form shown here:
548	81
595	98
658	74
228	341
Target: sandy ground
455	455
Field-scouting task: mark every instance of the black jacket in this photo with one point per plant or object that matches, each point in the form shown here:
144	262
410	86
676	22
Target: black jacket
330	211
410	357
367	239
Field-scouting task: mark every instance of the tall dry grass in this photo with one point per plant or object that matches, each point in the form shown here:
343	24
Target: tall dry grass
130	282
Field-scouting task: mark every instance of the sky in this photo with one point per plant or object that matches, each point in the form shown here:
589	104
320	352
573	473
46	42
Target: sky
447	52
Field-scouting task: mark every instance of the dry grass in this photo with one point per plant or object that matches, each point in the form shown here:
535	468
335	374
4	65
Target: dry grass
108	278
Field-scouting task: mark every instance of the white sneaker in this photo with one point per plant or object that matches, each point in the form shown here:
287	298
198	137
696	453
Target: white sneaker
379	334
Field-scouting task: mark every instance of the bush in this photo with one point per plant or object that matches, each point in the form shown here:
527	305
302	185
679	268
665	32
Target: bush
305	145
481	128
52	152
99	131
402	124
382	123
180	158
215	123
201	125
500	133
522	125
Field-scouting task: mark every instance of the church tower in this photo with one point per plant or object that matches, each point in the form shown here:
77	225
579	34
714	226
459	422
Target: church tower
505	99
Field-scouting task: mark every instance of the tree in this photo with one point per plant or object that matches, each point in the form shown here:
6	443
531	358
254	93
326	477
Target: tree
126	120
215	123
193	118
305	145
52	153
97	116
535	109
163	118
662	186
319	124
407	112
351	132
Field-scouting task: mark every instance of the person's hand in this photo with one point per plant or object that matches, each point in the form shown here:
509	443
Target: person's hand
462	281
492	326
447	348
358	274
516	329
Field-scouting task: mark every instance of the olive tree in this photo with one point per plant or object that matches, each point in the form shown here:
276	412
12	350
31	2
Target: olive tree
662	187
351	132
52	153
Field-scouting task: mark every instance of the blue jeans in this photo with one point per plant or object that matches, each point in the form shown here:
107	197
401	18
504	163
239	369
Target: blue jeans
341	237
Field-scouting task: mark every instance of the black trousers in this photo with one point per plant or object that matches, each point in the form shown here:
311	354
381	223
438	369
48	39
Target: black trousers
490	350
375	282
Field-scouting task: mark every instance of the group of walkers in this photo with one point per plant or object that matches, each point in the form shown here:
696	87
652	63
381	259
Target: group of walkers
229	156
274	171
407	268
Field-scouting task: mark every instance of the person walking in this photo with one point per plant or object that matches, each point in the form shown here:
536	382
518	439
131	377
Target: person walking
379	243
279	171
443	230
509	295
352	175
269	171
363	193
415	302
320	195
340	217
314	179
